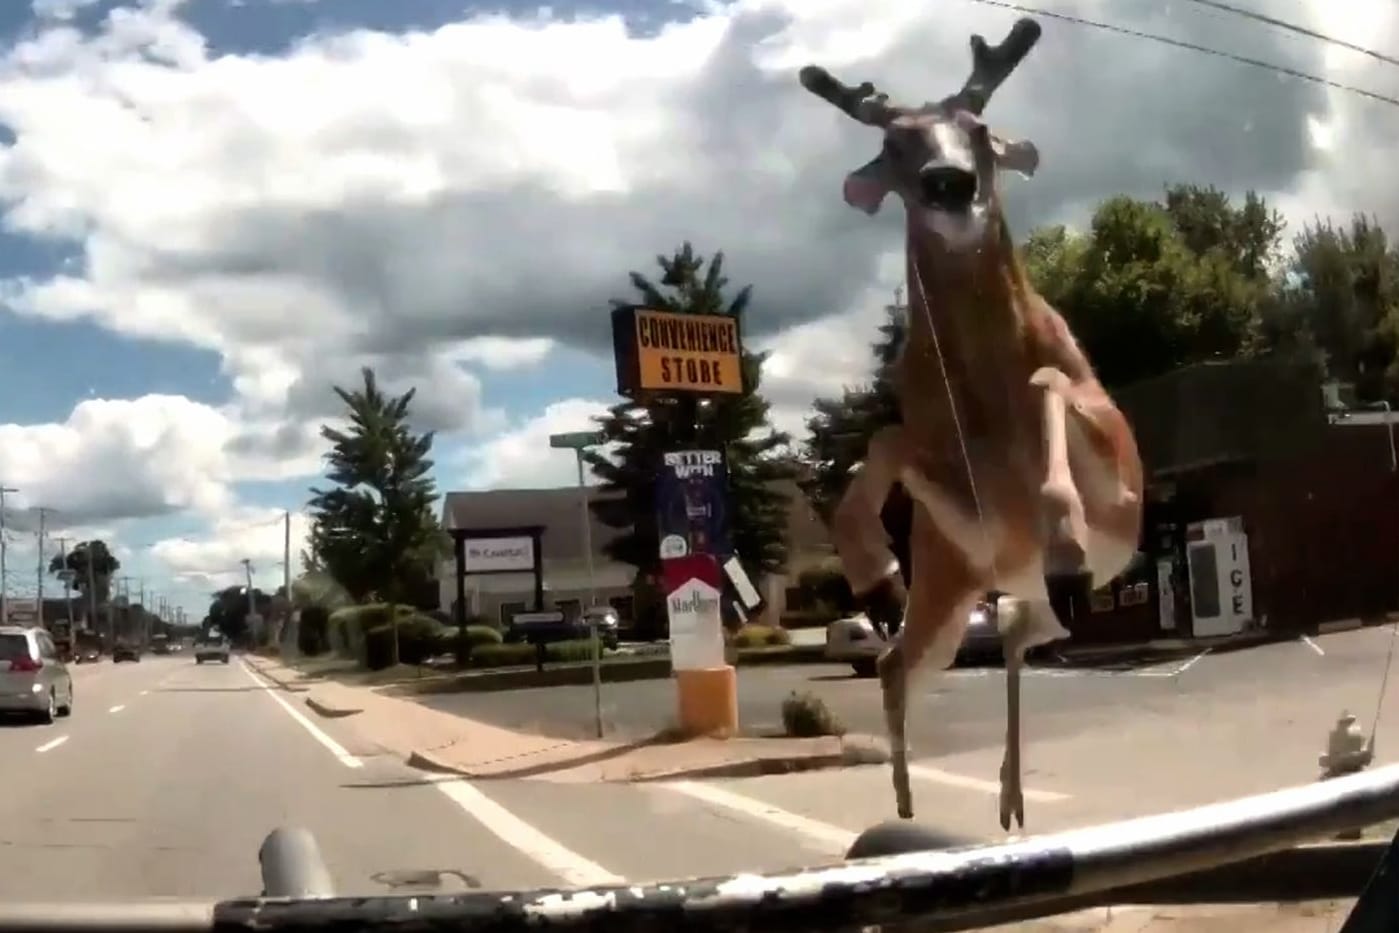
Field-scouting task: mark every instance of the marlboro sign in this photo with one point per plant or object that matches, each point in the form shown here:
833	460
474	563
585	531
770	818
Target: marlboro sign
693	588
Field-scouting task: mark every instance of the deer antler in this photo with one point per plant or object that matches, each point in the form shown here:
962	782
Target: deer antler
991	66
862	103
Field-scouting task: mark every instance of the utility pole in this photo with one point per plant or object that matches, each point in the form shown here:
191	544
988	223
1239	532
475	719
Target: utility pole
248	592
39	589
286	557
4	546
145	632
67	579
286	576
92	598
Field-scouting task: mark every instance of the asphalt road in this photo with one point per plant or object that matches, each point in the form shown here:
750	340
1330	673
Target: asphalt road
168	776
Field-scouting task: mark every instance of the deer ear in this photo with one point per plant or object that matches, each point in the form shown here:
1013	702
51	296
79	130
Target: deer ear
868	185
1016	155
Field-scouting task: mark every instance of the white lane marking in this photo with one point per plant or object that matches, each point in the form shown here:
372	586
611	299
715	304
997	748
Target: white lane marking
336	749
118	708
51	744
1306	639
826	835
947	778
524	838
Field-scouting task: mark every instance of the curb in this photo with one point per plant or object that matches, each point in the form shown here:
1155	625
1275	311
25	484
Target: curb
850	755
581	673
279	683
329	712
425	761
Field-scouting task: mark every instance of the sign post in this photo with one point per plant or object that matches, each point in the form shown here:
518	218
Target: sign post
683	358
579	441
495	550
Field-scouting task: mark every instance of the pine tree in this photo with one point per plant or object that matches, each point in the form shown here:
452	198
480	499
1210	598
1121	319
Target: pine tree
374	530
641	432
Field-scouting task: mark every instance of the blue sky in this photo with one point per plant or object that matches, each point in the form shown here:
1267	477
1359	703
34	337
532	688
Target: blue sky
48	366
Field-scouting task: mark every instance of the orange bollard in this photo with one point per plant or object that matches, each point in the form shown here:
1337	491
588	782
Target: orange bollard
708	701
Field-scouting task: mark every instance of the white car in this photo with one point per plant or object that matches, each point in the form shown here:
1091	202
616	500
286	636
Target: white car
215	649
33	678
856	640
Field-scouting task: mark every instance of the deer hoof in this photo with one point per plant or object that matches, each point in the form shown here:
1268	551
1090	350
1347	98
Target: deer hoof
1012	798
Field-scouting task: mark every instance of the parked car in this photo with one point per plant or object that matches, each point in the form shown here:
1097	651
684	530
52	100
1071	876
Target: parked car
857	641
608	623
126	651
88	655
32	677
213	649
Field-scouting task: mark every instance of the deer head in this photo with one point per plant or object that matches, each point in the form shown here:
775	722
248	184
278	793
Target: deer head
939	158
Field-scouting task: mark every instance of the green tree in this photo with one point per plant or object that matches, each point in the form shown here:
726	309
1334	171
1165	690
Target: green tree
1340	302
374	531
229	612
1155	286
640	432
90	562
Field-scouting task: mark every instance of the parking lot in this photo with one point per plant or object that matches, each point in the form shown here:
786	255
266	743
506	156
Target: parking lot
1275	701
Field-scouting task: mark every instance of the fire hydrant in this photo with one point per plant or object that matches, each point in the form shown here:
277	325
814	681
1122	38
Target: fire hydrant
1347	752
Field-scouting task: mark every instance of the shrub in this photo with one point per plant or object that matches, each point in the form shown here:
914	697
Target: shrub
805	715
313	631
378	648
417	639
476	636
502	654
761	636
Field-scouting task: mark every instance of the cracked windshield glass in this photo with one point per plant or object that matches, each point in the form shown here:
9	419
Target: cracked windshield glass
891	461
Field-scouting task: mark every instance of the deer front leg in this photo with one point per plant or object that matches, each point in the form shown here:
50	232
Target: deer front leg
873	572
1065	525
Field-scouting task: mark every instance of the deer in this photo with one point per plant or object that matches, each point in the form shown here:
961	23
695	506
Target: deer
1021	467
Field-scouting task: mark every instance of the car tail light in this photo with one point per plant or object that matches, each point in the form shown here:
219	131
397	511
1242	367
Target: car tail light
24	665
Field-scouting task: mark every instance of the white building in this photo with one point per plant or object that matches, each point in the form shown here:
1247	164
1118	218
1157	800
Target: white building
558	513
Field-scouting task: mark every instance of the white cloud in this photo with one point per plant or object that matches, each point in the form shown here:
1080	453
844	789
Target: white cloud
214	561
521	456
444	205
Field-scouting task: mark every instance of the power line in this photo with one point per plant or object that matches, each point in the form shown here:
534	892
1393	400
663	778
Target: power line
1191	46
1300	30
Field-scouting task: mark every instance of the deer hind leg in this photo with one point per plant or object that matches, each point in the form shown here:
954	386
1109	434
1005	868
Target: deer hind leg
943	590
1024	623
1065	524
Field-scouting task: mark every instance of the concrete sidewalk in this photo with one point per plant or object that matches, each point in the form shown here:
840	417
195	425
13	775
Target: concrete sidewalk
446	743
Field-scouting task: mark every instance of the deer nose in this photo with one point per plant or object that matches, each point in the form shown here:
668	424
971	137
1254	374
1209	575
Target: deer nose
947	187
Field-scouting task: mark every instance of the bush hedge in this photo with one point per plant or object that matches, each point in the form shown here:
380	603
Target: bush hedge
520	653
313	631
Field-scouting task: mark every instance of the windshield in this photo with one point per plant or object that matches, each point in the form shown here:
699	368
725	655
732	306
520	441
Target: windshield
617	442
